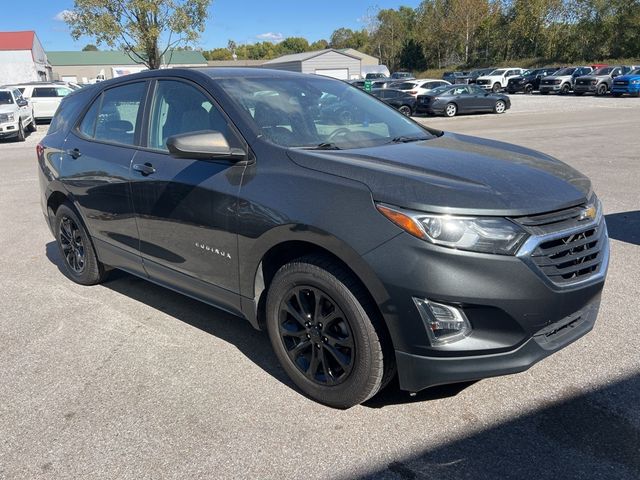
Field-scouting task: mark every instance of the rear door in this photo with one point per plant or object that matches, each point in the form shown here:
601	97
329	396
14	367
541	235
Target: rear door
186	209
96	171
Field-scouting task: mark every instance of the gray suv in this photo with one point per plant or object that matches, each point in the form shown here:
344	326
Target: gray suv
599	81
563	80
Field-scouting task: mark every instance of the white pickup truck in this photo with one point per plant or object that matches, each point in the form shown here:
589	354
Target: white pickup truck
16	114
498	79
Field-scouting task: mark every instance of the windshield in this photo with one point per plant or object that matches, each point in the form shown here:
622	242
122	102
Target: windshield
564	71
635	72
405	86
603	71
319	113
497	72
6	98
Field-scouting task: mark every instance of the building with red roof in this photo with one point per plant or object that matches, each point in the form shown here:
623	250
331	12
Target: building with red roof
22	58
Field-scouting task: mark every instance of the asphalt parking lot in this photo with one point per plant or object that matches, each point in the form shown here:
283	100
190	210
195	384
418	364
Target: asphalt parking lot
128	380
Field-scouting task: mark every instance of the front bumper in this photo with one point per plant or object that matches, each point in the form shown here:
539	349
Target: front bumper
419	372
550	88
631	89
506	299
585	88
8	129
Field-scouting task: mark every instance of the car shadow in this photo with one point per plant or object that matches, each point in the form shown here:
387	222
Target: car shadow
624	226
590	434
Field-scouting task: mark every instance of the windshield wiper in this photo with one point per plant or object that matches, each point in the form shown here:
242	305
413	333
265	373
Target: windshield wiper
404	139
321	146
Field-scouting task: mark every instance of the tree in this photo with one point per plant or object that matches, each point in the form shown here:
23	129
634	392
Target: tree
347	38
137	26
294	45
319	45
90	48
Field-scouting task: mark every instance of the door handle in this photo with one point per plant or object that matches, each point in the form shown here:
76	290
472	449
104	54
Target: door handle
75	153
144	168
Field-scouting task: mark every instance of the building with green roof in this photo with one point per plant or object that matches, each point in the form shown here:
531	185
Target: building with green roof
85	67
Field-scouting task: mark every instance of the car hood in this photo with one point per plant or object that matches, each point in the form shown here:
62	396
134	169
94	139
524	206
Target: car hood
556	77
594	77
456	174
8	109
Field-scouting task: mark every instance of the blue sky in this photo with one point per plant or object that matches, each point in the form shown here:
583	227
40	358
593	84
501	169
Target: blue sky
245	21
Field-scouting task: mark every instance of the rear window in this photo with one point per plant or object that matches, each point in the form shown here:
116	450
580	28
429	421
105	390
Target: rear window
50	92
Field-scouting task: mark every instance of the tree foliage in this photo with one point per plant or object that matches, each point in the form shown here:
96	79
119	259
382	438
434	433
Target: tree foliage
138	26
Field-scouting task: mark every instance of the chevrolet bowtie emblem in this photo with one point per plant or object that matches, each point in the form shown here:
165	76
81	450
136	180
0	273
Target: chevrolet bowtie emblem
588	213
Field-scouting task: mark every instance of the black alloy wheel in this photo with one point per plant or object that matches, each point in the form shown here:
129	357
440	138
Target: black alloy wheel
71	244
316	335
565	89
528	89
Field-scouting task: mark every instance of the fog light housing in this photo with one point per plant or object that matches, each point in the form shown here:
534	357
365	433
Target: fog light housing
444	323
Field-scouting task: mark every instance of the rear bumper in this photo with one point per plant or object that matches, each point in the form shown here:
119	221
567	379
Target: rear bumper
419	372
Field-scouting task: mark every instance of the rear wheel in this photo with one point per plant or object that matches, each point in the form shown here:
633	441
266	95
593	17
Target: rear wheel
405	110
450	110
500	107
321	328
80	260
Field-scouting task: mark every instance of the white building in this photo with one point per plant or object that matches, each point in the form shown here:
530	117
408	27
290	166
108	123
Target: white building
330	63
22	58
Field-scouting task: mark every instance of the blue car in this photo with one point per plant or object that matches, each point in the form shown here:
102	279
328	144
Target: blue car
629	83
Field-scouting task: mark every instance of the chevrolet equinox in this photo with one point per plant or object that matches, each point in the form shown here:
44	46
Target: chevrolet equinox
367	249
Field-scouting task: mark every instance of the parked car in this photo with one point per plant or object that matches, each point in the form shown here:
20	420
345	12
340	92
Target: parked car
627	84
402	76
364	250
44	97
599	81
529	81
473	75
357	83
16	115
453	77
563	80
375	76
452	100
498	79
419	87
404	102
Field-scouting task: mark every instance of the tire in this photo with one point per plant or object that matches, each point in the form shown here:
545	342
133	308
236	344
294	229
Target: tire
80	261
450	110
20	137
307	292
32	126
602	90
528	89
405	110
500	107
496	87
565	89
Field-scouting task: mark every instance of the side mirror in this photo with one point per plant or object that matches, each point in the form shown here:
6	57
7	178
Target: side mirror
205	144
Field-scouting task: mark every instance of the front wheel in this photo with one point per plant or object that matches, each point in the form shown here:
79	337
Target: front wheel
528	89
321	329
80	260
565	89
496	87
32	126
20	137
405	110
450	110
500	107
602	90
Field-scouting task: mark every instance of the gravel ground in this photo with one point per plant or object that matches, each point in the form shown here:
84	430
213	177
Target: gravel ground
127	380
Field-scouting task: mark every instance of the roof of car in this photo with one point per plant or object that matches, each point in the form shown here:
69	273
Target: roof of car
34	84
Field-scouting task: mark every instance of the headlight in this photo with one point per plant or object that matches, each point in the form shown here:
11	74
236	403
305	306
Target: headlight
476	234
557	82
635	82
10	117
593	82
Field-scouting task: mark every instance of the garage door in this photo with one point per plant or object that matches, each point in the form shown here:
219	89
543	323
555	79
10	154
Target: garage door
340	73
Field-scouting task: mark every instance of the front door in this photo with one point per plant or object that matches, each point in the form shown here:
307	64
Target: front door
186	209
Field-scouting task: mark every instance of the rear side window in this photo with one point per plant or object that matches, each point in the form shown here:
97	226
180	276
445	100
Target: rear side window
42	92
114	115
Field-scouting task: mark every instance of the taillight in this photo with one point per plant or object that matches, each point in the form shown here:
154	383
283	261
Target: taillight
39	150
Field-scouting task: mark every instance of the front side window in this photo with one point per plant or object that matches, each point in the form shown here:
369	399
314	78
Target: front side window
62	91
113	116
179	107
312	112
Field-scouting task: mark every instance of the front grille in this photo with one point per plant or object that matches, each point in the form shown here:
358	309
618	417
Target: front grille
572	245
4	117
483	82
621	82
571	258
583	82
